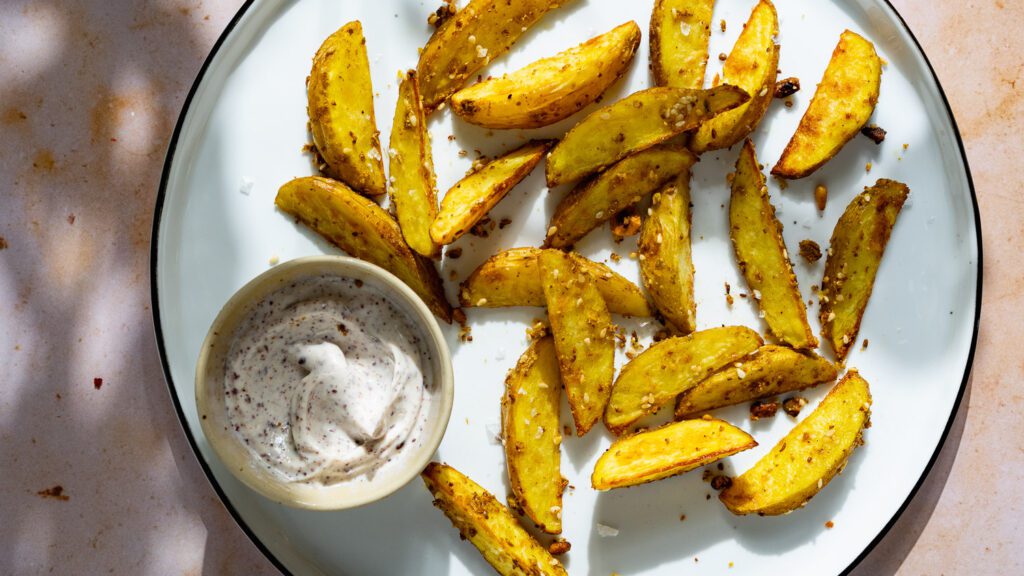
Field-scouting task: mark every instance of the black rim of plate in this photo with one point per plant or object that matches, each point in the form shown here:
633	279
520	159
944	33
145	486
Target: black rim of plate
154	296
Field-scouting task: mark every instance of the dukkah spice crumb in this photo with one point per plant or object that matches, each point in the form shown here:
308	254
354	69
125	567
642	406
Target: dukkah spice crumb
793	405
874	132
763	409
810	251
787	87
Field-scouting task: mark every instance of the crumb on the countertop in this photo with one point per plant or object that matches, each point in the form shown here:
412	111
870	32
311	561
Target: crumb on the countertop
793	405
721	482
728	296
864	345
682	517
97	383
504	222
56	492
763	409
722	24
867	167
465	334
3	243
615	257
810	251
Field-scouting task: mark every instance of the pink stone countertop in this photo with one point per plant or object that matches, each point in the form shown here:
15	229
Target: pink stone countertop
89	93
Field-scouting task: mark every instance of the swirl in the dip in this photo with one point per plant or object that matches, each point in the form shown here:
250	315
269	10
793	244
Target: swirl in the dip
325	381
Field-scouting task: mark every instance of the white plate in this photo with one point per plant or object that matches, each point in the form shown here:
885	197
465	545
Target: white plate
245	122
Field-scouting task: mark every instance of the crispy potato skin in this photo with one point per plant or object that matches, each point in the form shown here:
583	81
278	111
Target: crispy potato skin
583	333
531	430
666	451
855	252
364	230
841	105
411	167
550	89
637	122
770	371
762	256
752	65
671	367
679	59
512	278
340	107
449	59
488	525
666	267
619	187
474	196
807	459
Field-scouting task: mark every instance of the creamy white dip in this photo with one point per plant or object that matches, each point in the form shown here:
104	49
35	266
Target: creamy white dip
325	382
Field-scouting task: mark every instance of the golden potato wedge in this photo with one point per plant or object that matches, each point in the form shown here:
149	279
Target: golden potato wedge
671	367
854	254
807	459
340	107
364	230
469	40
769	371
619	187
532	434
474	196
512	278
411	167
584	336
635	123
841	105
762	256
666	451
488	525
550	89
680	30
666	265
752	65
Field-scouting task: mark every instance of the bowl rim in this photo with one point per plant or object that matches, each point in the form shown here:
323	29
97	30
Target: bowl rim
237	458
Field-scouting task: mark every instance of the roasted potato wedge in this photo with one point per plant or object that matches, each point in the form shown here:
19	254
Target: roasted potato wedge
512	278
469	40
680	31
364	230
635	123
550	89
532	434
411	167
752	65
666	264
807	459
769	371
671	367
841	105
762	256
340	107
474	196
488	525
854	254
666	451
583	333
619	187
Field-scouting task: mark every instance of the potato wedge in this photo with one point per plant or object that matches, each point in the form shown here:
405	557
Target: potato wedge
550	89
411	167
619	187
841	105
635	123
666	451
340	107
752	65
532	434
762	256
671	367
584	336
680	31
474	196
854	254
807	459
512	278
364	230
488	525
769	371
469	40
666	265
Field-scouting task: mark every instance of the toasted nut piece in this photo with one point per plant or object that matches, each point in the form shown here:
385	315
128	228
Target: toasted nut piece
667	265
807	459
855	252
810	250
550	89
411	167
793	405
820	197
360	227
787	87
488	525
843	102
763	409
874	132
559	547
679	35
